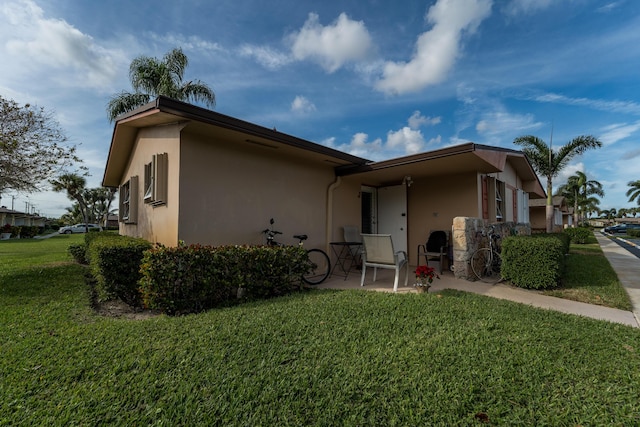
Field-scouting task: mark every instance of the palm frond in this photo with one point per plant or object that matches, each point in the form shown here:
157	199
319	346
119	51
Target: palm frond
125	102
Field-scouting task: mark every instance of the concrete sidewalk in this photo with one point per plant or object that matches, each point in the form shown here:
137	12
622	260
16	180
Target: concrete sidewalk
628	272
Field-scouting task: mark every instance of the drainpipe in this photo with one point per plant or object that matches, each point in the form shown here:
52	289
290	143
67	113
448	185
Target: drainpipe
329	214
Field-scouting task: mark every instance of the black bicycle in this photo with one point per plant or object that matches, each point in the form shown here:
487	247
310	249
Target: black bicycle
320	265
486	263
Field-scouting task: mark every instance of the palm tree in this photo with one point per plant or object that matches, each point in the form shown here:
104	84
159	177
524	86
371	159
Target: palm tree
74	185
634	191
99	201
580	191
548	162
151	78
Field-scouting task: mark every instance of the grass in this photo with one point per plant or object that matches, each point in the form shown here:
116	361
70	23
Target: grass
589	278
316	358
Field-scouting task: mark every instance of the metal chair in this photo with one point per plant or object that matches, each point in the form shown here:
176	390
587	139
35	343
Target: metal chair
379	253
436	248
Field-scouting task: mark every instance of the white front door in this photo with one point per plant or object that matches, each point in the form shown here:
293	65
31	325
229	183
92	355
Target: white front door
392	214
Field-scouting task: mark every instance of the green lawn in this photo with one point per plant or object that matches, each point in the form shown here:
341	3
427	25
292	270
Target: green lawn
316	358
589	278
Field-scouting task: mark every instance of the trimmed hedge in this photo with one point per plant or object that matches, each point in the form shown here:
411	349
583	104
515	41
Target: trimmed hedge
193	278
564	239
114	261
633	233
533	263
579	235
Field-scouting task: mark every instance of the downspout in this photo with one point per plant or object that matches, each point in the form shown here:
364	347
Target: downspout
329	213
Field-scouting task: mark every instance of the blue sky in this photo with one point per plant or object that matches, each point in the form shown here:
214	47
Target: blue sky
378	79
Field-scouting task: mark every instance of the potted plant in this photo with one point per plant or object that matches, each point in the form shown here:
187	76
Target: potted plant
424	277
5	232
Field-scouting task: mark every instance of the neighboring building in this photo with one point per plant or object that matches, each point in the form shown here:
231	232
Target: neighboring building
190	174
19	219
562	214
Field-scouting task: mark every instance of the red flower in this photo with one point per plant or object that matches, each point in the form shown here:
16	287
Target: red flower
426	272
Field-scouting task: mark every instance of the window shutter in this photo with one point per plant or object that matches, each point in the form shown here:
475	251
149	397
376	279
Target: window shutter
122	190
485	197
133	200
161	178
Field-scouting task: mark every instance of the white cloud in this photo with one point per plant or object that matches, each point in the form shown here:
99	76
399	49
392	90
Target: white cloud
358	146
334	45
417	120
302	105
500	122
190	43
437	49
409	140
617	132
267	57
627	107
32	40
519	7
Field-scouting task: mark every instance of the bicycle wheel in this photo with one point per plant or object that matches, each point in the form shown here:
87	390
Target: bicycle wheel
320	267
486	266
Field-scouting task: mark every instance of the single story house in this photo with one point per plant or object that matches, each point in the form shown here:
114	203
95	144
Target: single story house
562	214
19	219
189	174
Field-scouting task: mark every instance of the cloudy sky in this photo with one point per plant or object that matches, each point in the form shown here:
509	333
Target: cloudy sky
375	78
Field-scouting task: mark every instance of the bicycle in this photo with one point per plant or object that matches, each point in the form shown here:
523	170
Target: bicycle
320	265
487	262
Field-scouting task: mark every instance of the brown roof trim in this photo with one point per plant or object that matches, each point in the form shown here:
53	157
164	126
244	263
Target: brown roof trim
421	157
193	112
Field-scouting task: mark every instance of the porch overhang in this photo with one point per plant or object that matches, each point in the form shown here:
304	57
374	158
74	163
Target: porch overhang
459	159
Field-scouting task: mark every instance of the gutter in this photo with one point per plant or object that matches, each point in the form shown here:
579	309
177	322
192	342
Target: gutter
329	213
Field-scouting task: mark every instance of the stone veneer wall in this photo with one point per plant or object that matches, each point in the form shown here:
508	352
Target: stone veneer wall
467	237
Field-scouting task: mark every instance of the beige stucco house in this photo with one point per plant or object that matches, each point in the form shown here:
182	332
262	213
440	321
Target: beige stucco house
190	174
562	214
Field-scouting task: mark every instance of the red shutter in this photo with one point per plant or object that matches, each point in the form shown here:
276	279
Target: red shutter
485	198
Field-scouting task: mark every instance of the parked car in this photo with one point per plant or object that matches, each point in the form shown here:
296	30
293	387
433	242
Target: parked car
79	228
621	228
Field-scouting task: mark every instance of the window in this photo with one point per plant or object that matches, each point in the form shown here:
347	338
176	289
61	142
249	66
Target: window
523	207
155	180
128	201
499	200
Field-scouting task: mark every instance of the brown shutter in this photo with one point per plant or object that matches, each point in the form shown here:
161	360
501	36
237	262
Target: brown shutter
485	197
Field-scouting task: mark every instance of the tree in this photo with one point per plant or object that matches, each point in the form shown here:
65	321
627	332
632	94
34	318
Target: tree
99	201
634	191
33	148
548	162
580	190
151	77
74	185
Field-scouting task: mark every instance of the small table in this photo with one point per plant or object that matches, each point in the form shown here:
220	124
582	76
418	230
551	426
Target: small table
346	257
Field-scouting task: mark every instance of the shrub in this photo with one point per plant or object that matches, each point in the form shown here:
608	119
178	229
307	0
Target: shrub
564	239
532	263
78	251
184	279
633	233
193	278
579	235
115	264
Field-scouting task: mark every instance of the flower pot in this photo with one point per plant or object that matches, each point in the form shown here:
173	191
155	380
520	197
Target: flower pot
422	289
5	236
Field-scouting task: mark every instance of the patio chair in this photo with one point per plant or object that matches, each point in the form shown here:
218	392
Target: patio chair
379	253
436	248
351	234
